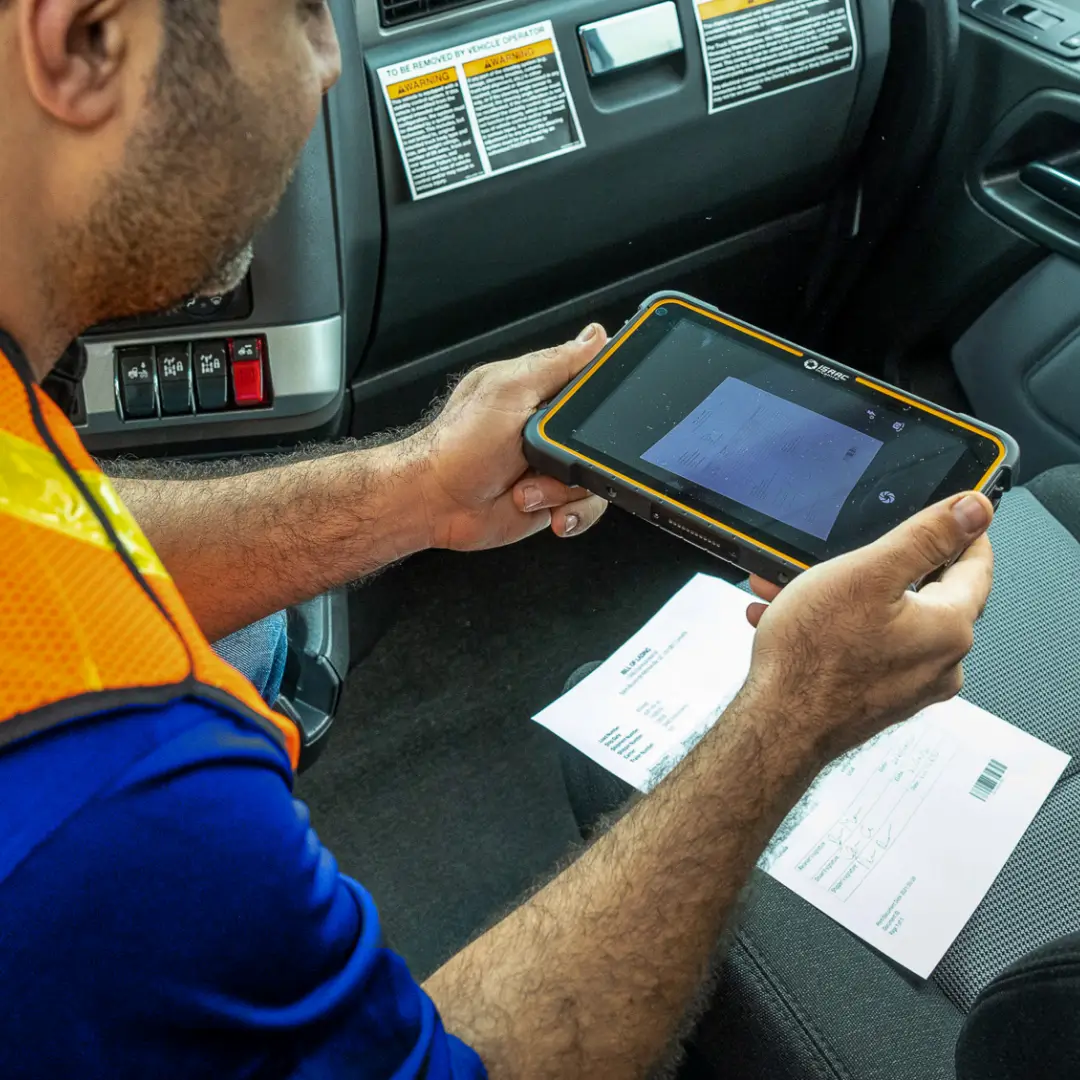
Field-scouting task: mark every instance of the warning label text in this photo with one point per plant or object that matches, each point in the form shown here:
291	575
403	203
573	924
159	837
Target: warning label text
480	109
754	48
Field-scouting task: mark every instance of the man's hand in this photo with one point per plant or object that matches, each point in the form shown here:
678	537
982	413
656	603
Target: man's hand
853	649
563	987
293	528
476	486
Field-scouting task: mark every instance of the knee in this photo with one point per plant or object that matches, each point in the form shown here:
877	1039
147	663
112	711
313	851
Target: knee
259	652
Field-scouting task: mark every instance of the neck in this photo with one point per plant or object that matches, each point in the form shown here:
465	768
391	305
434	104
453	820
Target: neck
31	305
36	270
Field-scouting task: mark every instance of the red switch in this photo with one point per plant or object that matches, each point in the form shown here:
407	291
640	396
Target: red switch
247	381
247	371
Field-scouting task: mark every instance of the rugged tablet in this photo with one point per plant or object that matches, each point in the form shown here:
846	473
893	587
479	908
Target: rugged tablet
767	455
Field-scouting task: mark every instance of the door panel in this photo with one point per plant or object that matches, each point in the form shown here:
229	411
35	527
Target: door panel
976	227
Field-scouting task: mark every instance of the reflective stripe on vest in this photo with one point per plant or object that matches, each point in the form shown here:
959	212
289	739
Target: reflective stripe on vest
89	618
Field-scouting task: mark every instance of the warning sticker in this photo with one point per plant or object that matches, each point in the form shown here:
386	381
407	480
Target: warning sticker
754	48
480	109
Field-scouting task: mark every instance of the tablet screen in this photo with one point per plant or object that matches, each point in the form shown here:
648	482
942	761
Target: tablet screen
752	432
768	454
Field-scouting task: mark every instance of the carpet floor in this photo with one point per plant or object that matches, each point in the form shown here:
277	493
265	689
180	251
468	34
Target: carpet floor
436	790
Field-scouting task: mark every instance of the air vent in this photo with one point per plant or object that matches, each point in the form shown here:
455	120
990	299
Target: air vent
396	12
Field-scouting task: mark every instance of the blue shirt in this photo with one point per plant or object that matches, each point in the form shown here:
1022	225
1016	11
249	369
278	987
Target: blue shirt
167	911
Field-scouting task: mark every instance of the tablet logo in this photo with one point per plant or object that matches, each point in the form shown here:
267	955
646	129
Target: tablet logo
824	369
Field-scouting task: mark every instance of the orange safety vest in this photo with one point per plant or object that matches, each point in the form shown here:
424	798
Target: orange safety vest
89	618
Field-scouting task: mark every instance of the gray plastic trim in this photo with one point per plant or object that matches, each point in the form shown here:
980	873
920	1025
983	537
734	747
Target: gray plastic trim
306	371
1019	364
659	176
466	353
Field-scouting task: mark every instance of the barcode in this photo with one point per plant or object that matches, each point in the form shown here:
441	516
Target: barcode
988	782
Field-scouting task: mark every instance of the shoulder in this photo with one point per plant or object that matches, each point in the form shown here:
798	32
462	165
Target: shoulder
93	759
181	828
185	907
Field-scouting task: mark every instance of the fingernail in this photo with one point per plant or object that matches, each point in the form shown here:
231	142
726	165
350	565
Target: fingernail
587	334
531	497
571	524
971	513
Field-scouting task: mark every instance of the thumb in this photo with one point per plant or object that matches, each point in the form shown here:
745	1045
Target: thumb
931	539
543	374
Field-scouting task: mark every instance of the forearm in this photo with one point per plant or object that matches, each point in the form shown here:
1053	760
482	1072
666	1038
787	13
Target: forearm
593	975
240	547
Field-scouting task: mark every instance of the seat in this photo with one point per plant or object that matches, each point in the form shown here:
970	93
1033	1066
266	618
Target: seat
1024	1022
802	998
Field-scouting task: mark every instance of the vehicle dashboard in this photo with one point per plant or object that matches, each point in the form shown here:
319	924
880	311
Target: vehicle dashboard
362	299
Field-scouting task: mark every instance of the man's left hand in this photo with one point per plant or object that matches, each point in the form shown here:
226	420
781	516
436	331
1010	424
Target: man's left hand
477	488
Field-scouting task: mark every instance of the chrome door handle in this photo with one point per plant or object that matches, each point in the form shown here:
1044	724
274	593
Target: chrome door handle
631	38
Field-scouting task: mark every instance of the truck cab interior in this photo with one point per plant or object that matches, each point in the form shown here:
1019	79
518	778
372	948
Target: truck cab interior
909	206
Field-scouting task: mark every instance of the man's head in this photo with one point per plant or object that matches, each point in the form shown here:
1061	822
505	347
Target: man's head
143	142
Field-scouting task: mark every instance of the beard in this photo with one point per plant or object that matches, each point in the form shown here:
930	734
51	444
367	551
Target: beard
202	173
229	274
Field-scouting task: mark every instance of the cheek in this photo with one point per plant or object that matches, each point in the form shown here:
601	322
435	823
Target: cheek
276	59
293	94
280	110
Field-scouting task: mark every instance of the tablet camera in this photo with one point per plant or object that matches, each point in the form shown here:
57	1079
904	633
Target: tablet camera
661	312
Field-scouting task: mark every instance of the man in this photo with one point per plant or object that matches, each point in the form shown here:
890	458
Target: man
167	910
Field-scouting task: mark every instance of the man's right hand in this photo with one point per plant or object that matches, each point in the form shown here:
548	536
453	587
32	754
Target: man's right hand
849	648
562	987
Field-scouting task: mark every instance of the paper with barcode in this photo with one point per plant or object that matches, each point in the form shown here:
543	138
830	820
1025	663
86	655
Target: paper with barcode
897	841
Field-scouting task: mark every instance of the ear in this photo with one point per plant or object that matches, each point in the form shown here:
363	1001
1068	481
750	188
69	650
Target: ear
74	52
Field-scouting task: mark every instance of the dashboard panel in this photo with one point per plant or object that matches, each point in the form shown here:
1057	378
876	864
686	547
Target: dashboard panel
659	176
363	298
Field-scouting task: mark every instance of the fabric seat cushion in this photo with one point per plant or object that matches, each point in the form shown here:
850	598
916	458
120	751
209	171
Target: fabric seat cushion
800	996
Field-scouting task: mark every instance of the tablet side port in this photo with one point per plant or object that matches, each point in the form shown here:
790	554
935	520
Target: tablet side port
997	487
700	538
625	498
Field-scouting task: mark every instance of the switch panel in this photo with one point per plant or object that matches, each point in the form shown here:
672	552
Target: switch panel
148	391
1049	25
181	378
